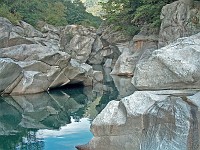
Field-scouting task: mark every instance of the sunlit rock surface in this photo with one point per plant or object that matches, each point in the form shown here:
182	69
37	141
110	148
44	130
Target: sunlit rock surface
34	61
148	120
175	66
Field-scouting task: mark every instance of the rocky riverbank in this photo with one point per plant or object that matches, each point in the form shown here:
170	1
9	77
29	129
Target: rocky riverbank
33	61
167	118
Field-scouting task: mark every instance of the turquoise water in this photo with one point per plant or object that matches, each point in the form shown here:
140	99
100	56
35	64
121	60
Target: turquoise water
55	120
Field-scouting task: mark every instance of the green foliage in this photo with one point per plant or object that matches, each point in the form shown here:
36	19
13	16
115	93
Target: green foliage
13	17
131	15
55	12
149	12
76	14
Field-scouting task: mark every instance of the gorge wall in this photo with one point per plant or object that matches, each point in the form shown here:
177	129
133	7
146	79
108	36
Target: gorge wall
33	61
167	118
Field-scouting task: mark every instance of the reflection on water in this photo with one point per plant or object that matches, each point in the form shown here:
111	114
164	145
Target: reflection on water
59	119
67	136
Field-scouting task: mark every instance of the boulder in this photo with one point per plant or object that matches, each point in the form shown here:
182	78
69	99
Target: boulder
77	41
133	51
123	85
179	19
124	65
79	73
29	30
98	76
147	120
11	35
175	66
108	46
80	47
43	68
108	54
9	73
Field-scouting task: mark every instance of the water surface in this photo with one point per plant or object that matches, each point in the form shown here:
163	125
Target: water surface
59	119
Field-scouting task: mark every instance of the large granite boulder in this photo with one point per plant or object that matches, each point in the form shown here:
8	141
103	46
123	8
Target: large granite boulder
79	73
41	66
175	66
125	62
147	121
80	47
179	19
10	74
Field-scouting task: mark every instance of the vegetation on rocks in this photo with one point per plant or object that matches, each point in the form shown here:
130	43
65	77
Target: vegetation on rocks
130	15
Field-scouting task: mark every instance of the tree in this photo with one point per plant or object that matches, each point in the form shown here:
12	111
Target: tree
55	14
130	15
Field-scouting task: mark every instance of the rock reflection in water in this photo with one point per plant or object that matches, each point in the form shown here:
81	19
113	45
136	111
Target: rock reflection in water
23	117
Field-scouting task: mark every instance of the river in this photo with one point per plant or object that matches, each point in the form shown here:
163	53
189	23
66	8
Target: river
59	119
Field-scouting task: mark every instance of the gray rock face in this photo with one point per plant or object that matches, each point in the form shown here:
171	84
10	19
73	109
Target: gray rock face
11	35
42	69
123	85
132	52
110	35
103	51
80	47
175	66
41	66
147	121
9	73
29	30
35	62
179	19
77	41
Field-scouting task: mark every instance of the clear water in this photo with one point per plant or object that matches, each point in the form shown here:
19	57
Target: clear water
57	120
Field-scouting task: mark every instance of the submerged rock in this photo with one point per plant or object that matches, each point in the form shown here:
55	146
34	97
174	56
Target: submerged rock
147	120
